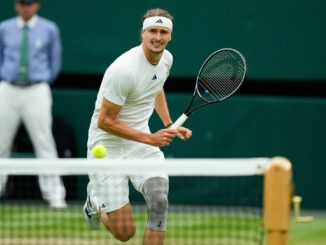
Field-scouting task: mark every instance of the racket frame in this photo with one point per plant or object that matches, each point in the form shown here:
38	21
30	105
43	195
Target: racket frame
189	111
178	123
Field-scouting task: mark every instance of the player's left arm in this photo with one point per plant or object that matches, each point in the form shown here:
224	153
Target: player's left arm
161	107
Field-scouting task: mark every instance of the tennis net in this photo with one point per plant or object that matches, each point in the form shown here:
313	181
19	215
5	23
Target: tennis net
211	201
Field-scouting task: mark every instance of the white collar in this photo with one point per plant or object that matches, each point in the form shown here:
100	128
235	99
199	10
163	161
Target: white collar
31	23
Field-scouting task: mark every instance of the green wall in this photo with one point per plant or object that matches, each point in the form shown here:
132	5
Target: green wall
281	39
242	126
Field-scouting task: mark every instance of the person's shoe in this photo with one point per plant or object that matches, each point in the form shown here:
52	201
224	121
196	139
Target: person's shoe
91	215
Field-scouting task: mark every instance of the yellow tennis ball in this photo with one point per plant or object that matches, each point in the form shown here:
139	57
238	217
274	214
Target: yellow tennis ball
99	151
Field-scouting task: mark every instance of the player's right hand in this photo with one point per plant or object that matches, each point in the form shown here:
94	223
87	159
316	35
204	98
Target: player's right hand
163	137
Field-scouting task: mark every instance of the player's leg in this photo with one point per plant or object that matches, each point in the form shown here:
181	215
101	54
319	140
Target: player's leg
155	192
101	205
120	222
154	188
107	200
10	120
108	195
37	117
153	237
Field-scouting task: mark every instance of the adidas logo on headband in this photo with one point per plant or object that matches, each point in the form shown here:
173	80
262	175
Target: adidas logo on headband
159	21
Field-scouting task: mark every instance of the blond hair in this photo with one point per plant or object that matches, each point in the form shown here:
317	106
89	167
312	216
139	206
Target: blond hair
158	12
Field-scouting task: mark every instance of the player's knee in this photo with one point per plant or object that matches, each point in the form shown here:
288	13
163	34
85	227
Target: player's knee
155	192
121	230
123	236
125	232
159	204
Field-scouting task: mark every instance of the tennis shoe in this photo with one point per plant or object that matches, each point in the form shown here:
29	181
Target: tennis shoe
91	215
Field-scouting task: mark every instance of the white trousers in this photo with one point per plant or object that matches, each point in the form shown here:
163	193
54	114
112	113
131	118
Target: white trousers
33	107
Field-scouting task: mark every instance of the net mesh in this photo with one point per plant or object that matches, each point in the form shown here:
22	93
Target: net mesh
215	202
221	75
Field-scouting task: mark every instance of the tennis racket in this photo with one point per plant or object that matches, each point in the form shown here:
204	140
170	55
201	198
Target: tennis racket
220	76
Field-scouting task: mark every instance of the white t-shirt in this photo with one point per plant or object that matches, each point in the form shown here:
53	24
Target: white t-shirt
133	83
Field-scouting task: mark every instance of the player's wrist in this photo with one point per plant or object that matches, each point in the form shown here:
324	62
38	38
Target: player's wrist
168	125
147	139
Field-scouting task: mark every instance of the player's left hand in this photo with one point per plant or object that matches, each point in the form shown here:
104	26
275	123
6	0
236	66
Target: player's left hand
184	133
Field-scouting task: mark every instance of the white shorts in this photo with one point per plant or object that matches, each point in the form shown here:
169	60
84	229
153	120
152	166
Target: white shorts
112	191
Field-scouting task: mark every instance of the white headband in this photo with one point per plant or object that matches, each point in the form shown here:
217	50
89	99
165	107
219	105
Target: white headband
157	21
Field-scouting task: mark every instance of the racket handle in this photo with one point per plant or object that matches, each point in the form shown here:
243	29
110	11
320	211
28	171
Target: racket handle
178	123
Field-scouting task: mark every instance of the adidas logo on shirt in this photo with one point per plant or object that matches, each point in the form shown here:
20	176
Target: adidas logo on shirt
154	78
159	21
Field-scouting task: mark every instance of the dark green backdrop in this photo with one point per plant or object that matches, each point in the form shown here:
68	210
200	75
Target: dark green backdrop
281	39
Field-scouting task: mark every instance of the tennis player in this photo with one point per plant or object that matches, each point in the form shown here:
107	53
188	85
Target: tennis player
132	87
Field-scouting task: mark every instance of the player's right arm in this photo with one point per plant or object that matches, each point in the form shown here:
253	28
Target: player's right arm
109	121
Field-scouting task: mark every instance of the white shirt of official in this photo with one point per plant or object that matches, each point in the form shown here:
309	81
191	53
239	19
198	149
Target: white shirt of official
133	83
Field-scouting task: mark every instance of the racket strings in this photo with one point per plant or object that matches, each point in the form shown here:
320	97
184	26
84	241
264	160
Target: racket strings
220	78
221	75
218	83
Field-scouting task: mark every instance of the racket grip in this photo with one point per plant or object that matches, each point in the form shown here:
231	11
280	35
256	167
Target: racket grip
178	123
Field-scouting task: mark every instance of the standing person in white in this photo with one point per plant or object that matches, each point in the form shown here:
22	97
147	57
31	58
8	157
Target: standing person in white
30	59
132	87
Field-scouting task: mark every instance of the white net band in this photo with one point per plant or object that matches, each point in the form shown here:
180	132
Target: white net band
172	167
